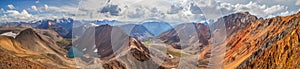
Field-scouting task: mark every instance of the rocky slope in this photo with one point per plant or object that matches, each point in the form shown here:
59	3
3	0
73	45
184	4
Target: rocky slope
224	32
242	40
277	45
7	60
110	47
35	48
263	43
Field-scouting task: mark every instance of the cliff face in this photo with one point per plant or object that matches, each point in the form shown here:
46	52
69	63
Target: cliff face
265	43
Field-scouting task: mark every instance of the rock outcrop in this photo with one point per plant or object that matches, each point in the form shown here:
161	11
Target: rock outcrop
265	43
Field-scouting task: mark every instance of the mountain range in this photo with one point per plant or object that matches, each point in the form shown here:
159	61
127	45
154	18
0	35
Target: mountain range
239	40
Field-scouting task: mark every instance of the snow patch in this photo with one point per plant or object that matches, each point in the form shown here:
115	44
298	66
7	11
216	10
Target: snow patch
84	49
11	34
96	50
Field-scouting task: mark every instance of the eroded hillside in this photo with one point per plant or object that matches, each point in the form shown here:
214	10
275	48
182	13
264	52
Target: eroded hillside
265	43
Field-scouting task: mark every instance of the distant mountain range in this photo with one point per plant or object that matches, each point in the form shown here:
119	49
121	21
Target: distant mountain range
186	35
64	26
137	31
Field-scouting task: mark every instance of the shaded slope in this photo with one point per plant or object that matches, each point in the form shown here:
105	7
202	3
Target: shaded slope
38	43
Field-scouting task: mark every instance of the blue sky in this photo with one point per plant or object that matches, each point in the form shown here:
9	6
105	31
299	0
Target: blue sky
141	10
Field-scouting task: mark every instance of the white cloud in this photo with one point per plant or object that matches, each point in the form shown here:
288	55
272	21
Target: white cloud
252	7
166	10
227	6
13	12
91	5
34	8
206	3
143	10
46	7
285	13
10	6
24	13
261	10
14	15
297	2
275	9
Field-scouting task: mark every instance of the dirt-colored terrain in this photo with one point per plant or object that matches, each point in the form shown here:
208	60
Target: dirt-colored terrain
265	43
34	49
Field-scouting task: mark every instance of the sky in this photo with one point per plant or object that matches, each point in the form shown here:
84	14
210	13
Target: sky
172	11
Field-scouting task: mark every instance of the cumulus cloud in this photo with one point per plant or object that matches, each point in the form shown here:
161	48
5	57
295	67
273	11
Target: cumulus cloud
206	3
23	15
137	13
184	10
275	9
167	10
252	7
226	6
67	10
10	6
285	13
92	5
34	8
260	10
174	9
14	15
111	9
46	7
